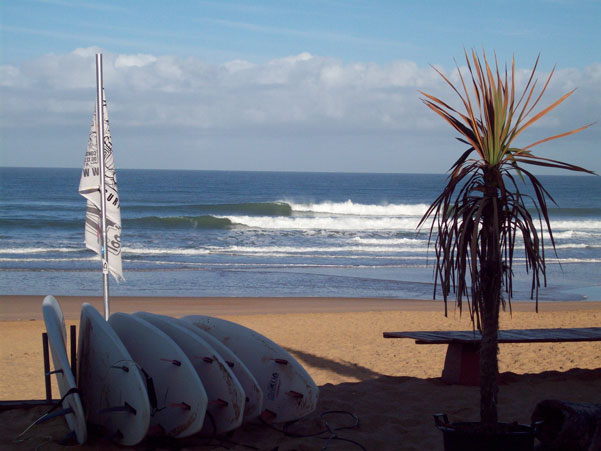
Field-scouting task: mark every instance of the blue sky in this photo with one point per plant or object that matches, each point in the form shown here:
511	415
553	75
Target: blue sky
278	85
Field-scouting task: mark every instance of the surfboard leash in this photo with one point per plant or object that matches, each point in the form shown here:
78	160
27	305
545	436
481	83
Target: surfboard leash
332	431
49	415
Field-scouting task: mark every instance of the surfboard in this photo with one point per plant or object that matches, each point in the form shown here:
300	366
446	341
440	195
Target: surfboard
254	395
57	339
112	387
289	392
225	394
177	396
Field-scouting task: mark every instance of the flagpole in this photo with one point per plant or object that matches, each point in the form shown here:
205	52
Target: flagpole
100	138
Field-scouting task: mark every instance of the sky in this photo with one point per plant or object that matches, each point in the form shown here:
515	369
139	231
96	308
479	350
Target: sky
282	85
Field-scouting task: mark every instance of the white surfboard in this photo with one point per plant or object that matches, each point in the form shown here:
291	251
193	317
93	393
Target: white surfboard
254	395
289	392
57	338
177	397
112	388
226	396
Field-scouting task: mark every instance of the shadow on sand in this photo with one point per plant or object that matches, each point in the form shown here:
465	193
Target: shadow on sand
394	413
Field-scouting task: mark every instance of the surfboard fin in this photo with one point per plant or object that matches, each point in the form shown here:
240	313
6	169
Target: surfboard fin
49	415
59	413
204	359
295	394
124	408
220	402
268	415
117	435
152	395
69	439
182	404
173	362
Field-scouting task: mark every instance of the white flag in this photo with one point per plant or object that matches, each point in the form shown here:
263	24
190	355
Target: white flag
89	187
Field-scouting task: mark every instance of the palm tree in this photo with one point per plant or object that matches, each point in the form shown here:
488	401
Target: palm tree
481	210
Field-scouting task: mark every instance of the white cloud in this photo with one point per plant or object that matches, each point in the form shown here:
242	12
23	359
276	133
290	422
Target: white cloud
134	60
301	94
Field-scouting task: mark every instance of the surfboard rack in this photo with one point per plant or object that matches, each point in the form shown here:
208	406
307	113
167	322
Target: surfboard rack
46	354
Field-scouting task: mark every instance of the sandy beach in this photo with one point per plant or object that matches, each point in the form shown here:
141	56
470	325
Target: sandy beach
392	386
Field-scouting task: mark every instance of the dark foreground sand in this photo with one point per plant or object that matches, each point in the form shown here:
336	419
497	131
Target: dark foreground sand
392	386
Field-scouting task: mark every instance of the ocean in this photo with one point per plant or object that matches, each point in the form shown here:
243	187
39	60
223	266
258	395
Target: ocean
220	233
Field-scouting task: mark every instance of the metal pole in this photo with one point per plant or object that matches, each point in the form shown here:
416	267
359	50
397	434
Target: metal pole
46	367
100	137
73	341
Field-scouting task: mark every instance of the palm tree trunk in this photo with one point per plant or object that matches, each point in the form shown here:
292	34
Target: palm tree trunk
489	367
491	276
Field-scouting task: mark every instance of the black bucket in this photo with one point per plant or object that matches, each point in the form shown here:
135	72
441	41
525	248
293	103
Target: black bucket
468	437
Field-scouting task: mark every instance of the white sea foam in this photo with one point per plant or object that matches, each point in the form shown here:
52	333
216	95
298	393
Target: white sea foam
569	234
163	251
345	256
351	208
325	223
578	246
322	250
575	260
586	224
580	235
276	265
390	241
38	250
43	259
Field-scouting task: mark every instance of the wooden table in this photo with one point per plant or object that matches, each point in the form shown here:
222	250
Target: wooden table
462	361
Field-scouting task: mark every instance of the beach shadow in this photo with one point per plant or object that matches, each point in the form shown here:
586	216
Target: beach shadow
348	369
573	374
383	413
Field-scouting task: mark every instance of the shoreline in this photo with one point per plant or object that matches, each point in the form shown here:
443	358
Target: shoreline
29	307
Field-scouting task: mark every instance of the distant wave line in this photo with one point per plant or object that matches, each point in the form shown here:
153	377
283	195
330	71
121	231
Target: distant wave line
320	221
39	250
575	234
164	251
325	223
357	209
251	208
389	241
288	207
246	266
321	249
45	259
589	224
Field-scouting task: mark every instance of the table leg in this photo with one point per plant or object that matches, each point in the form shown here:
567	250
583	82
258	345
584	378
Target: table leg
462	364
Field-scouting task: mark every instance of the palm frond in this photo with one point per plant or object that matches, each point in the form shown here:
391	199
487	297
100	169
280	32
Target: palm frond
484	190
